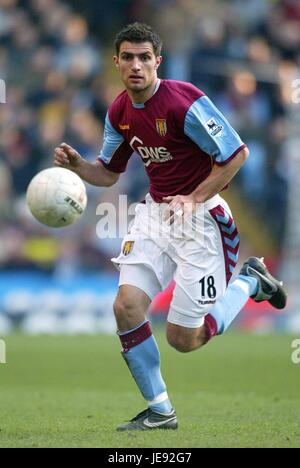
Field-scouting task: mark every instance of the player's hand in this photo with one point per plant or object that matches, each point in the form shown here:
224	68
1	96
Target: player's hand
180	206
66	156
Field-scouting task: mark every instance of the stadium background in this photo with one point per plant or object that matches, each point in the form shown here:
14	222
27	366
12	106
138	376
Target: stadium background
56	60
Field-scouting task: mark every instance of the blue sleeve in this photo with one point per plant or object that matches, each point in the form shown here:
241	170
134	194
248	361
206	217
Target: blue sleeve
111	141
211	131
115	151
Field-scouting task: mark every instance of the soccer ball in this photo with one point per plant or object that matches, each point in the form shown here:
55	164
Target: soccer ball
56	197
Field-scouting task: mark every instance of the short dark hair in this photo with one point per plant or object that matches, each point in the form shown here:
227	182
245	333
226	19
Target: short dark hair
139	32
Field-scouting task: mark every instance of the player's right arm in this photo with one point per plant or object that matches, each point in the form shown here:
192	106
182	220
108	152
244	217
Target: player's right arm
111	162
93	173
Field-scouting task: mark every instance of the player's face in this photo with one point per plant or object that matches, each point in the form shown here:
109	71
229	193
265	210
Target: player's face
138	65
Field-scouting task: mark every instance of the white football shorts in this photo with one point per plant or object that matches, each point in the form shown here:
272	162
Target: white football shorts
200	254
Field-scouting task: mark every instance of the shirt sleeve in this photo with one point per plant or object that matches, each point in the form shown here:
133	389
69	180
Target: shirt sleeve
211	131
115	152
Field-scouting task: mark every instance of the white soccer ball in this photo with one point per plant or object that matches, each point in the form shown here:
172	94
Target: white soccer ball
56	197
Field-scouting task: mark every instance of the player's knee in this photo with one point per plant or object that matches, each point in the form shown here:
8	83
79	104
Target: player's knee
124	307
180	343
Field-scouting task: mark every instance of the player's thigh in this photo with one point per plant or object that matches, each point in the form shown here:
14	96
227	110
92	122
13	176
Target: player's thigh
198	287
153	268
140	276
197	290
204	268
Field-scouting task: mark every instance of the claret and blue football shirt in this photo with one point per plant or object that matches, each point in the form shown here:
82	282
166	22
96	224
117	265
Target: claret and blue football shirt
178	133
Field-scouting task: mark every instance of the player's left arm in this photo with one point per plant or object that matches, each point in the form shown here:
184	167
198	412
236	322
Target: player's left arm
206	126
219	177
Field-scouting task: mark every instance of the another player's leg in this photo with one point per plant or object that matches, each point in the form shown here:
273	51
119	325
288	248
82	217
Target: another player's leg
140	351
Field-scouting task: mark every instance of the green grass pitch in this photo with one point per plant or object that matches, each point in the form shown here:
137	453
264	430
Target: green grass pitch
238	391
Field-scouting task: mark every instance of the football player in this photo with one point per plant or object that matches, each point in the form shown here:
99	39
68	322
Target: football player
190	153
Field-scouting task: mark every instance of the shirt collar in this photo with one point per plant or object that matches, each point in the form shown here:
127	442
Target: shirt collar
142	105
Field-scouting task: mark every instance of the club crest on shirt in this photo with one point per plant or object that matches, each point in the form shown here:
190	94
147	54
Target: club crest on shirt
161	127
127	247
213	128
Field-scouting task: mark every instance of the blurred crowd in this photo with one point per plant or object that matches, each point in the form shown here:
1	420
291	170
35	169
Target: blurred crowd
55	57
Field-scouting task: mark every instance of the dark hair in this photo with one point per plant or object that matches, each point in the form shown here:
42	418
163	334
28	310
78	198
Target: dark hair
139	32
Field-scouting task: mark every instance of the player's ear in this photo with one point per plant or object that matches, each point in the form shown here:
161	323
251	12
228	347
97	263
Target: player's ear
158	62
116	60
